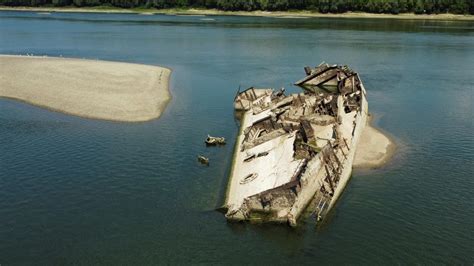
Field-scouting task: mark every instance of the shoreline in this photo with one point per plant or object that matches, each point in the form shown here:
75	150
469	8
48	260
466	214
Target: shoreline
376	147
215	12
96	89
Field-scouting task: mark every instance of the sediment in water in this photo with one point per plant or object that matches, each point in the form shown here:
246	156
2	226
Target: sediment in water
375	147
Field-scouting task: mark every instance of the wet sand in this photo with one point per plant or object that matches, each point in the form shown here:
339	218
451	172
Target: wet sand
374	149
87	88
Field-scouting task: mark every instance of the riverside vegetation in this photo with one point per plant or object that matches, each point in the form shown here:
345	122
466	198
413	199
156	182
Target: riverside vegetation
322	6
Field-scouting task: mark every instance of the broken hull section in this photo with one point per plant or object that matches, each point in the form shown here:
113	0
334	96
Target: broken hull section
295	149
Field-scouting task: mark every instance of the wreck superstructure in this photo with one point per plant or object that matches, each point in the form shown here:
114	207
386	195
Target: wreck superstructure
294	149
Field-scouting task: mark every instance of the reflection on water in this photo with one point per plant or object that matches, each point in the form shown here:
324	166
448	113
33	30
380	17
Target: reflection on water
79	191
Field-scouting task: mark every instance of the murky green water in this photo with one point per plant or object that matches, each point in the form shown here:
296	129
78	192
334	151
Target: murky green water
79	191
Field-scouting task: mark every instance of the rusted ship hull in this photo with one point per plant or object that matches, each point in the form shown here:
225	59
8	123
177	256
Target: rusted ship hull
295	149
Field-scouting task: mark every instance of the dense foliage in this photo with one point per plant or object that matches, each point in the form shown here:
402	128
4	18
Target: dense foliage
323	6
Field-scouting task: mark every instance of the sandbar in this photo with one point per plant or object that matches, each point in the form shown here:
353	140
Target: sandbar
95	89
374	148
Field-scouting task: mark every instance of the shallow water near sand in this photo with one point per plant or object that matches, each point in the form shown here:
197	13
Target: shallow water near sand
81	191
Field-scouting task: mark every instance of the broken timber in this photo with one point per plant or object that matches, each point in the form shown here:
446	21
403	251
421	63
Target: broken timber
296	148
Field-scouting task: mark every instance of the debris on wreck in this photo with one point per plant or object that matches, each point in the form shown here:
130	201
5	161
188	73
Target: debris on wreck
203	160
214	140
296	149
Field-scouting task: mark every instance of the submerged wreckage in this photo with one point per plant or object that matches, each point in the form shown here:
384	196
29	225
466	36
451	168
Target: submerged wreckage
296	149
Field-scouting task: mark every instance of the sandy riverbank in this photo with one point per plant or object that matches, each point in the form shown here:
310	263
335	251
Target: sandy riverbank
277	14
374	149
87	88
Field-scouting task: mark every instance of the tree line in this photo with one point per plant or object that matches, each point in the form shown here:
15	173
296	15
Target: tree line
322	6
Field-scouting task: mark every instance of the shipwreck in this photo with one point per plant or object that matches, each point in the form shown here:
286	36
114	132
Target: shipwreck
296	149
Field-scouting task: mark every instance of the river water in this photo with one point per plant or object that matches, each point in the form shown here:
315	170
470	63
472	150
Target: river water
81	191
